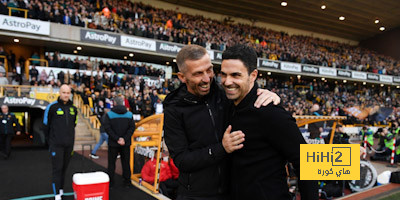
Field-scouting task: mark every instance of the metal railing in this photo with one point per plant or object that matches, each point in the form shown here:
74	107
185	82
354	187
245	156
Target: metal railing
43	93
10	9
27	64
86	112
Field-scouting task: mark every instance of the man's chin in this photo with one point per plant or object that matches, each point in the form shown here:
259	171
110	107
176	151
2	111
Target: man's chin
231	97
203	93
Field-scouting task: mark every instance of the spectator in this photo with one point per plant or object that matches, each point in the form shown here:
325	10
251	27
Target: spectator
3	80
43	75
7	130
167	178
60	76
35	56
119	126
158	107
3	8
103	138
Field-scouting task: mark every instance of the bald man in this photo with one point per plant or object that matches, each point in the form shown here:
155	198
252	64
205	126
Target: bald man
60	118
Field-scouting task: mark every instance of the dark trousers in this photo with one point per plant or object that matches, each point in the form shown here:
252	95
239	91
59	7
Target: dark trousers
124	151
60	157
169	188
5	143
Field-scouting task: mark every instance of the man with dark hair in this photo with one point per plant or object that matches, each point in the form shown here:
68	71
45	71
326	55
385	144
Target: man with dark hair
272	136
194	127
60	118
119	125
33	73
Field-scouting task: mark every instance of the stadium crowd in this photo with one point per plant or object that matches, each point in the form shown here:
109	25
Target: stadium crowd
141	97
299	95
120	66
145	98
146	21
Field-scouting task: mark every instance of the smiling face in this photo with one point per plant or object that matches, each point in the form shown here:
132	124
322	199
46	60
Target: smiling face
236	80
198	75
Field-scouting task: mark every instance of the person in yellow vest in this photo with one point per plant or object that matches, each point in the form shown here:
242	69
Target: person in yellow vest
395	129
386	152
365	131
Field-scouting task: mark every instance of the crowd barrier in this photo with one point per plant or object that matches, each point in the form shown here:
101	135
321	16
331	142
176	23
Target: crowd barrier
147	141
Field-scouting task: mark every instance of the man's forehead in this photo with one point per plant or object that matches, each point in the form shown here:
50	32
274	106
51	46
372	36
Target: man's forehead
198	65
233	65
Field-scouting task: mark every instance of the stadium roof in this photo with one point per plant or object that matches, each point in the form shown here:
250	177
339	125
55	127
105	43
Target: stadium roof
359	23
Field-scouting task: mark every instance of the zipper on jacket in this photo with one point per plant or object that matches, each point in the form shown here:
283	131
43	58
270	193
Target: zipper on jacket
216	137
66	114
212	119
190	101
188	186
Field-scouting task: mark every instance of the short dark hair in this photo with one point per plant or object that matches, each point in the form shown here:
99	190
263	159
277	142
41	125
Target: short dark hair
189	52
244	53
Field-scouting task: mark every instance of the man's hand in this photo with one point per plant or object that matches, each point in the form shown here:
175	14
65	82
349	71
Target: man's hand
18	132
121	141
265	97
232	141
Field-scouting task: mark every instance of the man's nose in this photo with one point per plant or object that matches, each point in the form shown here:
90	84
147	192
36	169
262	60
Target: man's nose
205	78
228	81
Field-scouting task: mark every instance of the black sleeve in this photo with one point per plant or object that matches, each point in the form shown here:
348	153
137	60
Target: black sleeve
107	127
288	143
130	130
48	114
188	160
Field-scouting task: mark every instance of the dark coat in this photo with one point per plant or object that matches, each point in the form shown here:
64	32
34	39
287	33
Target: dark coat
193	130
119	123
272	138
6	123
59	123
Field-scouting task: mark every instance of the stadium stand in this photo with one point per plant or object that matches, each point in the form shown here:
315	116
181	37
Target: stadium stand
96	80
147	21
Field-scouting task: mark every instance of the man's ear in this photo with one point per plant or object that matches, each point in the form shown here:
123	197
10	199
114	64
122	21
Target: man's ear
253	75
181	77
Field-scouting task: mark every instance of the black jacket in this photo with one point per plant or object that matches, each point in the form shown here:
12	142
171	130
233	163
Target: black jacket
102	129
193	130
119	123
6	123
59	123
271	139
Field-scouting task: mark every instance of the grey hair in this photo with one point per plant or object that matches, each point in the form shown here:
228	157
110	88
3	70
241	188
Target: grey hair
119	101
189	52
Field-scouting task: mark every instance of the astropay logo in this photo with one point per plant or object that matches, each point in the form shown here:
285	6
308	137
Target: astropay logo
138	43
169	48
11	100
24	25
17	24
100	37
